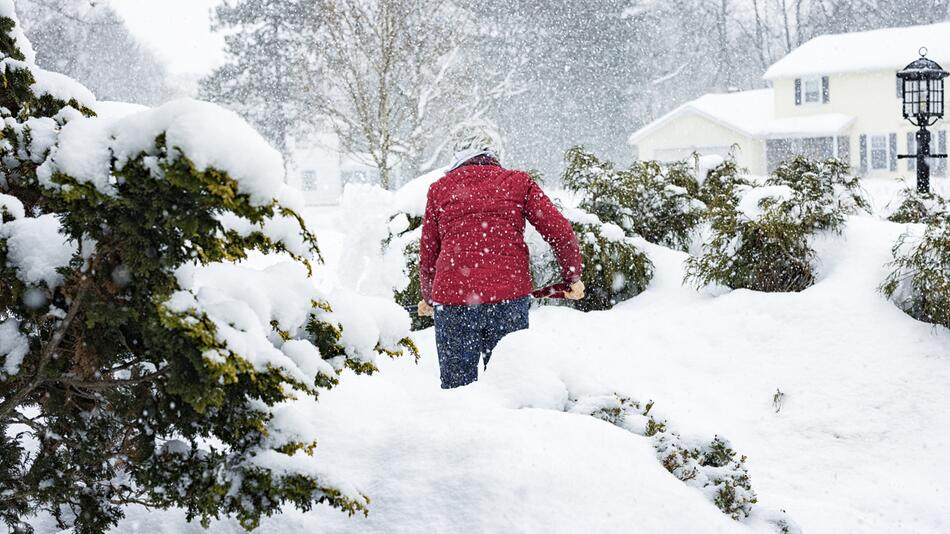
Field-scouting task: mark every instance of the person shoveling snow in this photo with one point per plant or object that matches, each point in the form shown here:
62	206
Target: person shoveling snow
473	261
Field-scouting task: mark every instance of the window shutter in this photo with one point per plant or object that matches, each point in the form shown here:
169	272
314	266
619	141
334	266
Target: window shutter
844	149
892	151
825	95
798	91
941	166
863	143
900	88
911	149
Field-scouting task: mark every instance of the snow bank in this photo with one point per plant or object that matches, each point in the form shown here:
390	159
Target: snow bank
411	197
368	266
858	436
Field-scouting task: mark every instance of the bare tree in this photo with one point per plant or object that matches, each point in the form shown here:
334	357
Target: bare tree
88	41
399	75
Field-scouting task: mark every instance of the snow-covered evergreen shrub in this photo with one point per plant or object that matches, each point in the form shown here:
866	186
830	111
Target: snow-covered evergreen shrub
138	364
615	269
920	280
710	465
411	295
916	207
760	234
646	199
721	184
825	191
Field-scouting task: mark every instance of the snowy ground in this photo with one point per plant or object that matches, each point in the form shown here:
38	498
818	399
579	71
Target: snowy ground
858	446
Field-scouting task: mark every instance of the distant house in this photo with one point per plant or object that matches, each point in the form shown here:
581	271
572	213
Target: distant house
836	95
320	171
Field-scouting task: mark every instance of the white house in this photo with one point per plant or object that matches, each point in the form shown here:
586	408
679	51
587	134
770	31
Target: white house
319	170
836	95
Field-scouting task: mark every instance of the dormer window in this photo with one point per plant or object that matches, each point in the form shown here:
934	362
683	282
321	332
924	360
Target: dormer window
812	90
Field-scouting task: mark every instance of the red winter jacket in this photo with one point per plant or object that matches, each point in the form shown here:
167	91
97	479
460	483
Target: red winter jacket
472	249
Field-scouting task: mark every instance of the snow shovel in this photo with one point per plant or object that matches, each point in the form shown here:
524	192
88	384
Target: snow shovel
554	291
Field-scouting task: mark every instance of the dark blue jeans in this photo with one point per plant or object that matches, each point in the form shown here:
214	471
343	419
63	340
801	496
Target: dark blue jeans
466	334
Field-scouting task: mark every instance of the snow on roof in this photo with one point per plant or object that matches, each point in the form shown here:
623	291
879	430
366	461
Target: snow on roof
885	49
746	112
751	113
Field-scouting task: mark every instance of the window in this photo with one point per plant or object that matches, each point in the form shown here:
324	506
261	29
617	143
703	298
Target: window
309	180
878	152
812	90
367	176
778	151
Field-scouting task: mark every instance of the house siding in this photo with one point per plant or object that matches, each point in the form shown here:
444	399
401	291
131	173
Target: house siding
871	99
692	131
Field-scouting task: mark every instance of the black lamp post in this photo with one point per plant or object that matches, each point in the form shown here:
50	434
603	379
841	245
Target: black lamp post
923	106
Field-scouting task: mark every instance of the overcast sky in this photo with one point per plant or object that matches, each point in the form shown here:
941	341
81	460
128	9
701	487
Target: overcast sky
177	30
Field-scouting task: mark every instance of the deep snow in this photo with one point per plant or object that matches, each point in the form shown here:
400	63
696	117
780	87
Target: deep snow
858	444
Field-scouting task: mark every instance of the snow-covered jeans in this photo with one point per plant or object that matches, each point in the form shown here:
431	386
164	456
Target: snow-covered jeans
465	334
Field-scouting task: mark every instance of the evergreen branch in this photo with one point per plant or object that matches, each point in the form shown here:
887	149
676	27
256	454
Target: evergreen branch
49	350
112	384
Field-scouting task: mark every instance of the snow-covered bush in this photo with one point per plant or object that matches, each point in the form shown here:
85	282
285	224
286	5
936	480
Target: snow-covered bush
917	207
138	363
655	202
615	269
920	280
760	234
383	258
721	183
825	191
710	465
411	295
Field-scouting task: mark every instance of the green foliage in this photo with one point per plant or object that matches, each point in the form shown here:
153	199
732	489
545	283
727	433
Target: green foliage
615	269
646	199
825	192
709	465
919	282
722	185
916	207
120	391
760	235
411	295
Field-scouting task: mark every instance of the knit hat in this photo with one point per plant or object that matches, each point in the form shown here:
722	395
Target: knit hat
475	138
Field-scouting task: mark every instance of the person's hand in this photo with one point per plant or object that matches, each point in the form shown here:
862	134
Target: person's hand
424	309
576	291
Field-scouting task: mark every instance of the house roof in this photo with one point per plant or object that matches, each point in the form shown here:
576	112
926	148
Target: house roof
746	112
751	113
885	49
